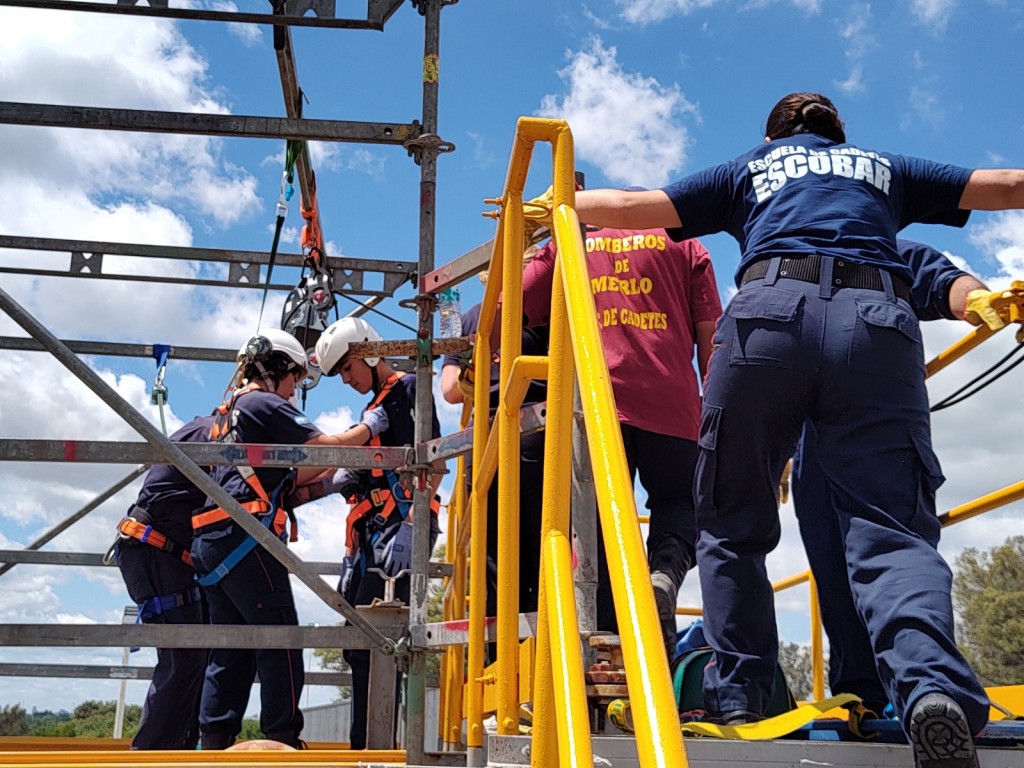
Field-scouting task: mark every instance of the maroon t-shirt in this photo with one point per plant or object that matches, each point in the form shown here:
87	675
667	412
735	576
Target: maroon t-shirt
649	293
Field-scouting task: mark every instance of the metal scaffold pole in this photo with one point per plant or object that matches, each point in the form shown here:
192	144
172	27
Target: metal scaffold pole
174	455
51	534
425	150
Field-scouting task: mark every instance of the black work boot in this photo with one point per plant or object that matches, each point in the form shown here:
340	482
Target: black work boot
666	591
215	740
291	738
733	717
940	735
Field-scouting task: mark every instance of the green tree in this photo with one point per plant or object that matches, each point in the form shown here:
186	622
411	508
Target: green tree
988	592
797	663
93	719
13	720
250	730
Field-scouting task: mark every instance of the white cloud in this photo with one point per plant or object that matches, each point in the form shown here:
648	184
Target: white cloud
858	41
1001	236
119	63
483	157
644	12
924	109
628	125
854	83
366	161
597	21
652	11
933	14
250	34
854	29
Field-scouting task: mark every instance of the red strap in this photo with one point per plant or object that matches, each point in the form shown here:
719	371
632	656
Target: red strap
312	238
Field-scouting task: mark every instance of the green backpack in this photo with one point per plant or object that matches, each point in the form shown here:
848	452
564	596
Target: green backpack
688	681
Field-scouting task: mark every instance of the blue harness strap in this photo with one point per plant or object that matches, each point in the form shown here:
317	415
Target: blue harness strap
248	545
161	604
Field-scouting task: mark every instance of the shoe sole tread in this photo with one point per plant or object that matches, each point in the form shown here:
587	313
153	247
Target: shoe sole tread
940	736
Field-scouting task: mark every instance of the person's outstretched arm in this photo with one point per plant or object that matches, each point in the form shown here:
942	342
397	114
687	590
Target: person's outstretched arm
626	210
995	189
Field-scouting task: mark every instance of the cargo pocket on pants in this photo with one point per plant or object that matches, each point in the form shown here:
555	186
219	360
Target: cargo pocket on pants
706	471
886	339
766	325
931	477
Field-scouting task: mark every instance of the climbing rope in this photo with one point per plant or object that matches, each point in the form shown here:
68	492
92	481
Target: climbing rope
292	149
385	315
993	373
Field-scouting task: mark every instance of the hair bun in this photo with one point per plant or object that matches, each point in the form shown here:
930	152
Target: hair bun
815	110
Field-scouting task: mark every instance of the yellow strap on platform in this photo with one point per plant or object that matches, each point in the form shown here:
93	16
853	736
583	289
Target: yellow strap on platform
772	728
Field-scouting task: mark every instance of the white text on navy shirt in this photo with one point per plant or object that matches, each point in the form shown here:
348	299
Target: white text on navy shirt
788	161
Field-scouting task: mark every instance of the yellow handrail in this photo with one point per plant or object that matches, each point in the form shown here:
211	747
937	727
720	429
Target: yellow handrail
555	597
659	740
507	422
561	723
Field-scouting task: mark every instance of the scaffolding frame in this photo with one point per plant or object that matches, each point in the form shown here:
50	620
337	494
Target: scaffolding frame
421	140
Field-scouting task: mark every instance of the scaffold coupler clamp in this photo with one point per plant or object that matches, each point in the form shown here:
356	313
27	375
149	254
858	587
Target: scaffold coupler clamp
415	147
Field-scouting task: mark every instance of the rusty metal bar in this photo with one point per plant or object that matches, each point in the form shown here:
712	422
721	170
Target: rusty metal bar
247	126
379	11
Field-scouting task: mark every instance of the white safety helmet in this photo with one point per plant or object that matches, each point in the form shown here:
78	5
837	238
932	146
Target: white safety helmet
334	342
280	342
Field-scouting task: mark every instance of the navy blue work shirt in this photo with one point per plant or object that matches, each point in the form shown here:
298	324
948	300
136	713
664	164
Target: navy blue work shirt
806	194
264	417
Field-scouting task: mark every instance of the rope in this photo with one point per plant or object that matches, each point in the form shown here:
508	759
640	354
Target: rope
965	392
292	149
372	309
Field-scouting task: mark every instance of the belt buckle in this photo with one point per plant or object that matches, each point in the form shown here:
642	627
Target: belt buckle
125	536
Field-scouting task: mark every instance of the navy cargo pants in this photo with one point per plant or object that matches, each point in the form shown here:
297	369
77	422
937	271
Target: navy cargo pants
256	591
666	465
849	360
170	714
851	659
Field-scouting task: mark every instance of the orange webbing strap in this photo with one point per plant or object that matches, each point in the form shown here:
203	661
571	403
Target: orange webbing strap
377	400
130	528
215	515
379	501
221	428
221	432
312	237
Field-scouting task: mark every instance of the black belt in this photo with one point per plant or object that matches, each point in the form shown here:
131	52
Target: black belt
845	274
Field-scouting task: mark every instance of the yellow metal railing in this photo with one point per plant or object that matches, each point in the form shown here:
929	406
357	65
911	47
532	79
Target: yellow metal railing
454	606
561	734
561	731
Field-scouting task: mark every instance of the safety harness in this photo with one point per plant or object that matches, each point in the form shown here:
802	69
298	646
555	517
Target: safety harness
160	604
137	524
374	514
273	517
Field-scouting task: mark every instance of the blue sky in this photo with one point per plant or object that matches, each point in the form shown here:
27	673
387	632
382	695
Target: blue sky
653	89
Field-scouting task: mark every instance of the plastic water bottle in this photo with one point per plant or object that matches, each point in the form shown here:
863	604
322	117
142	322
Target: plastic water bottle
451	313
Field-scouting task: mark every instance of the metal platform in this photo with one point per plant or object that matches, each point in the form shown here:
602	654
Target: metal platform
621	752
504	752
